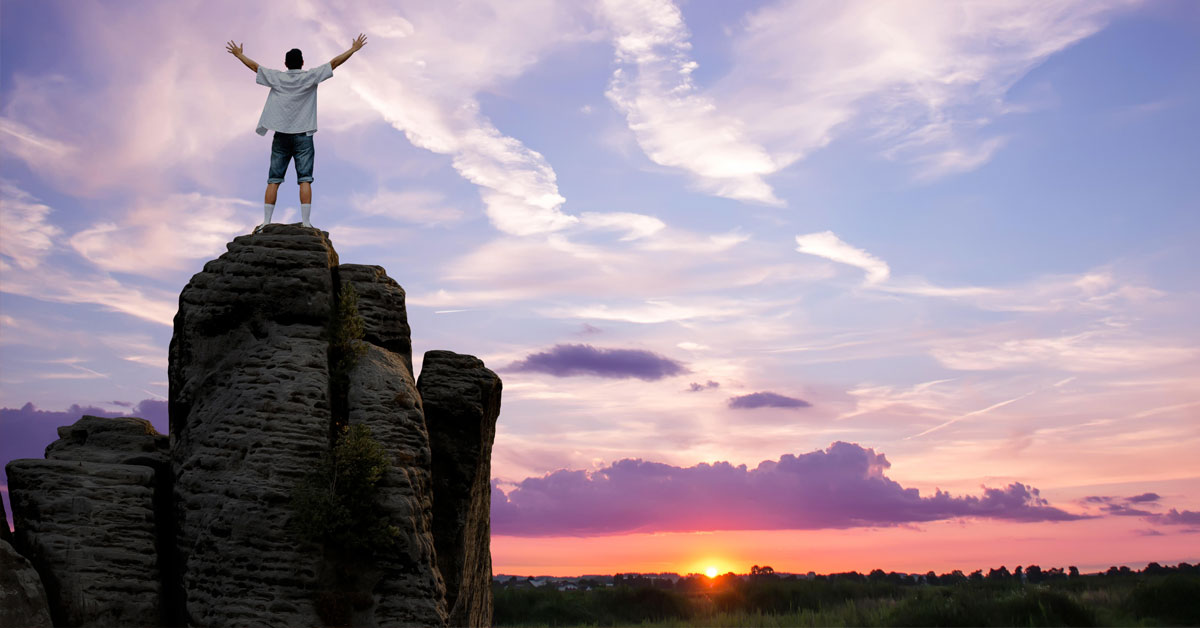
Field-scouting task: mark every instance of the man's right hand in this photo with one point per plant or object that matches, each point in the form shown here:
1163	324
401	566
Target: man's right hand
235	49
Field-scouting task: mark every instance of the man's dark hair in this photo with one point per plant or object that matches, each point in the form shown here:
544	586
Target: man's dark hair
294	59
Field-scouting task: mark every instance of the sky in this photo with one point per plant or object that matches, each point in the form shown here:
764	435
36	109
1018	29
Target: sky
826	286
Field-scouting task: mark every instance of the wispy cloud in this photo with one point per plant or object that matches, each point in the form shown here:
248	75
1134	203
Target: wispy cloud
674	123
28	234
49	284
157	239
994	406
1097	350
422	207
924	82
826	244
426	70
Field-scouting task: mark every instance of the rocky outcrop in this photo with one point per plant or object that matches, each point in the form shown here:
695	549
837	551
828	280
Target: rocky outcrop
381	305
250	416
123	440
258	390
462	402
22	597
271	361
90	519
89	530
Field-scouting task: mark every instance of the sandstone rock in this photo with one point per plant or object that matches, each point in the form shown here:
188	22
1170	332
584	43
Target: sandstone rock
250	417
89	529
461	399
381	305
383	396
124	440
22	597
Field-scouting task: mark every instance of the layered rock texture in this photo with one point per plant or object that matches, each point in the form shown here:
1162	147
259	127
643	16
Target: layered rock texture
86	519
462	402
277	349
22	597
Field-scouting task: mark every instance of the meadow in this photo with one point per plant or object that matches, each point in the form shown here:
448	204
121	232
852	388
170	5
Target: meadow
1155	596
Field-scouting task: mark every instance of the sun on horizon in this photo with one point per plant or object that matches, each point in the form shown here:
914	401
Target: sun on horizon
711	572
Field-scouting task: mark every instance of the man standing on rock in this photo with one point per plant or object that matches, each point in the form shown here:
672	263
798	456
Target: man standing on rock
291	111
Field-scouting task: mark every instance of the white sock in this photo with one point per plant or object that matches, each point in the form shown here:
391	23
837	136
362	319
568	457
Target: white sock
268	209
305	208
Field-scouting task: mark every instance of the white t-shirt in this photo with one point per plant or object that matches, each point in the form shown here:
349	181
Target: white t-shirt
292	104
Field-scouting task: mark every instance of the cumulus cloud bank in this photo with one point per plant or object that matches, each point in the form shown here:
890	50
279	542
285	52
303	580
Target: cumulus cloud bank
843	486
567	360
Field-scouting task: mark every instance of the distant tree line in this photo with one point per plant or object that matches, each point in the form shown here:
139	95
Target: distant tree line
1027	595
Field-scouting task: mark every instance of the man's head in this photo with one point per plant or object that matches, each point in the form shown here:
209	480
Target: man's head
294	59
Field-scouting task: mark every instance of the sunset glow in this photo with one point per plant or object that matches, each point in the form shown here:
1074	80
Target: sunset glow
819	286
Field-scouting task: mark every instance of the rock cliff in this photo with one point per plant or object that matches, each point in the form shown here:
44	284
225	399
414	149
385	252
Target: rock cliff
278	352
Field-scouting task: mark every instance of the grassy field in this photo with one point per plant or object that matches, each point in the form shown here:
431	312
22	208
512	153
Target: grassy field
1097	600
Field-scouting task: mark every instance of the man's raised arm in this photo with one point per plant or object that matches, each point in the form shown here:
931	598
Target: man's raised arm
236	50
359	42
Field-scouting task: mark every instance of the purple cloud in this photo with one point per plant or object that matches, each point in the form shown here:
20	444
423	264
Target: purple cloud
697	387
1178	518
569	360
766	400
843	486
1143	498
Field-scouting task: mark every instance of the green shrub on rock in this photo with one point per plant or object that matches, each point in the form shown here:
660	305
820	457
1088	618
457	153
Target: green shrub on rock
336	505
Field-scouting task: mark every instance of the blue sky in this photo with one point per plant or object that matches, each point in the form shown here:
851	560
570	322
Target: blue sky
964	234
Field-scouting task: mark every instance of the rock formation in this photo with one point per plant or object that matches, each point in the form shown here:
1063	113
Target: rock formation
462	401
277	350
22	597
86	519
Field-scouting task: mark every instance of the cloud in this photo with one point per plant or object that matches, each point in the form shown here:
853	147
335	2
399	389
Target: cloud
53	284
697	387
843	486
422	78
423	207
28	237
657	311
571	360
1097	350
924	83
766	400
675	124
160	238
826	244
1178	517
1143	498
635	226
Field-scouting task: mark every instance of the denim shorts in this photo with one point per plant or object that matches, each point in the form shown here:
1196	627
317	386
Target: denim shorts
284	147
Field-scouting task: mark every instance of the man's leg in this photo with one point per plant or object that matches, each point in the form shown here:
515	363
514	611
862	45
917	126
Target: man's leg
279	161
304	169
